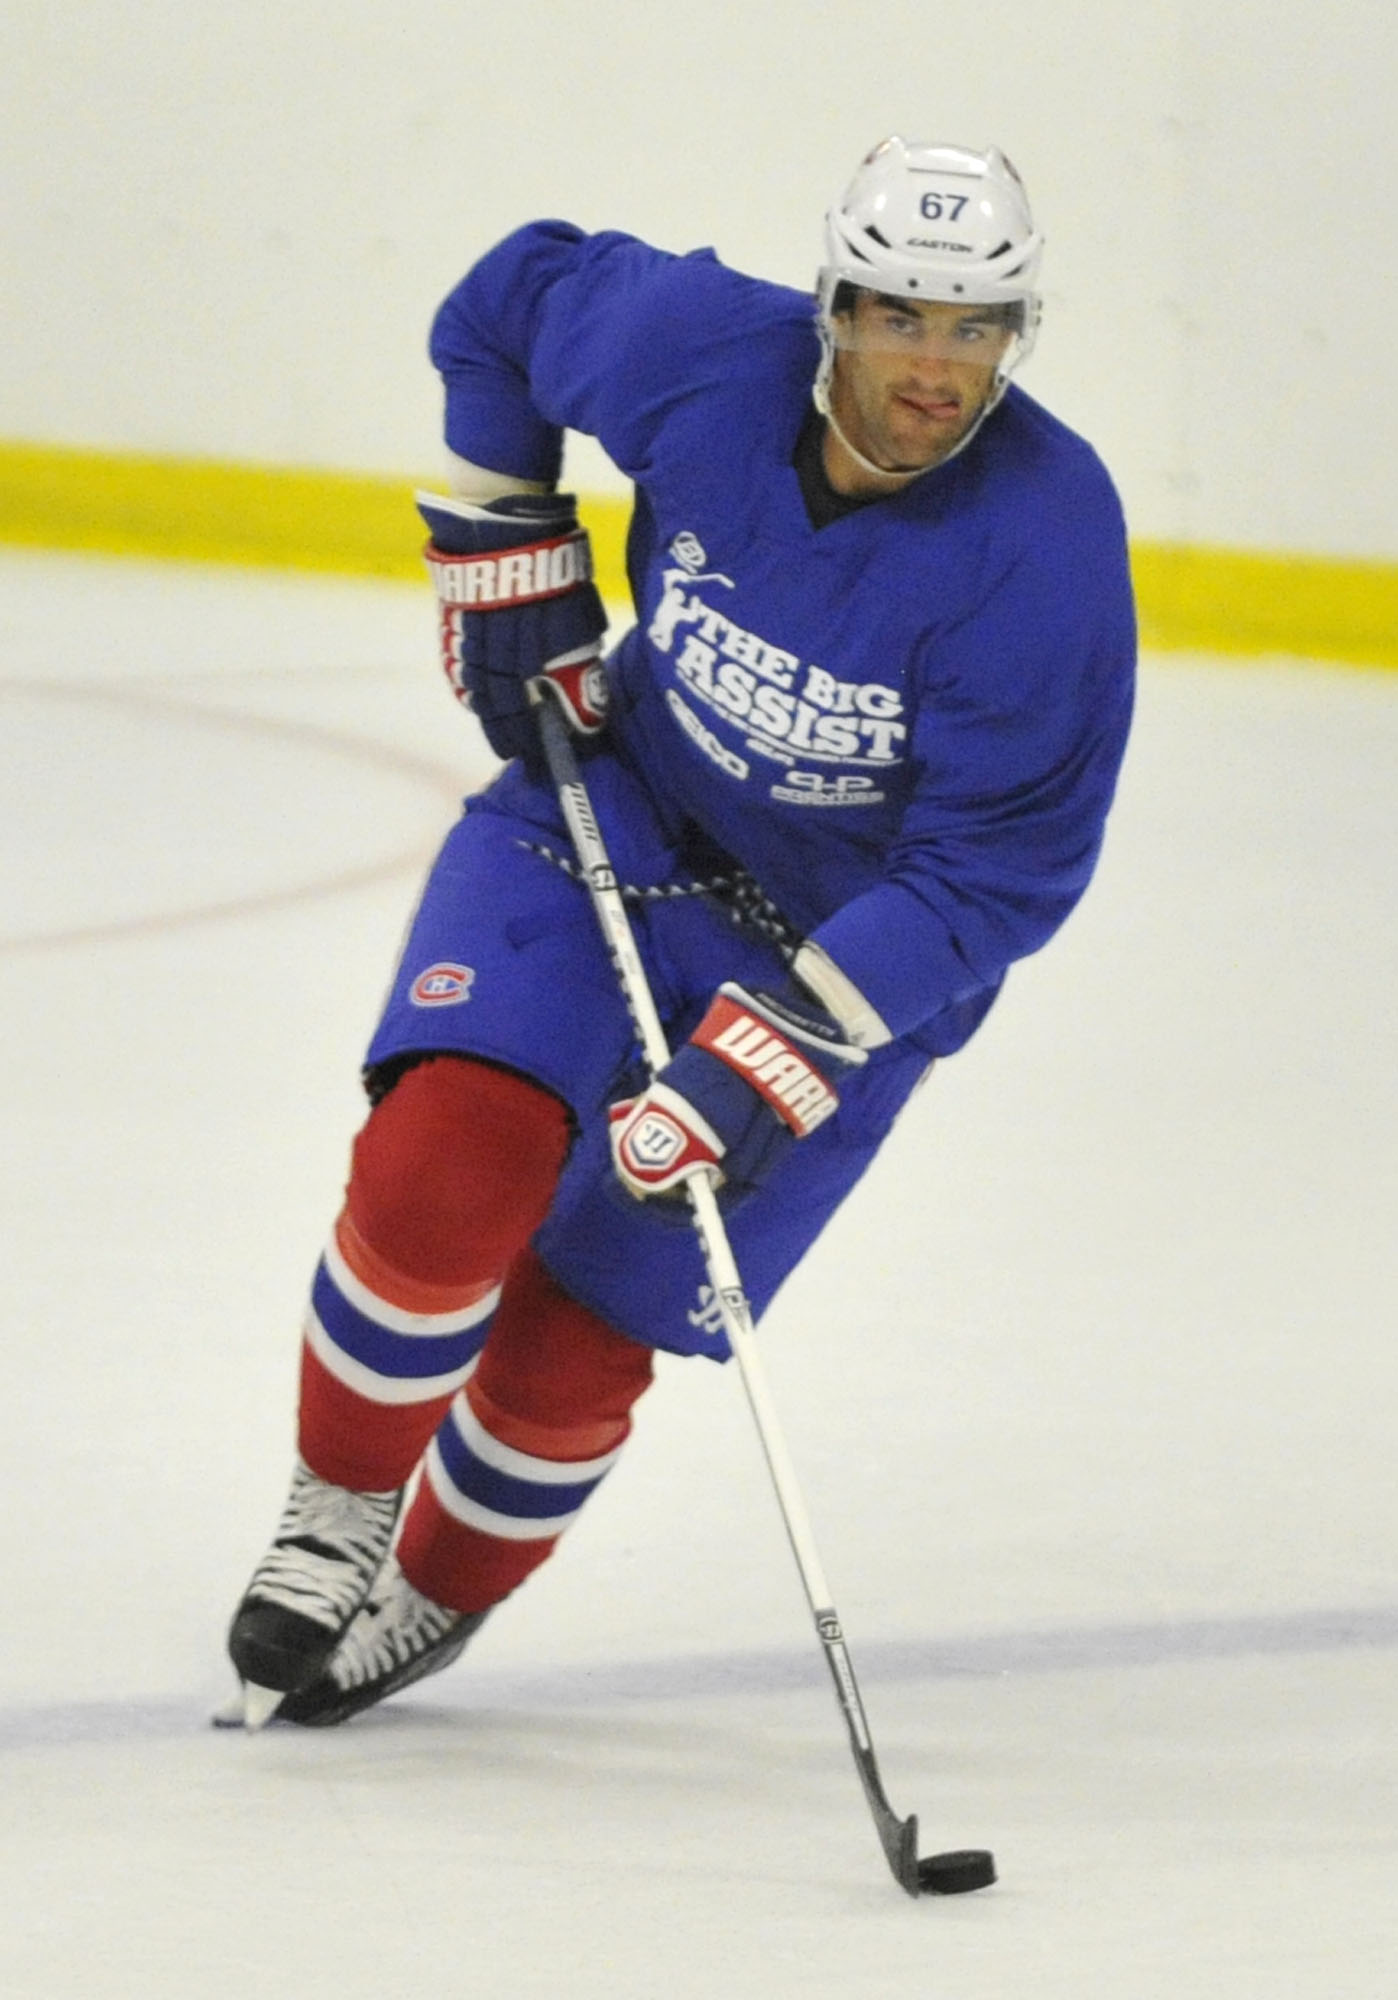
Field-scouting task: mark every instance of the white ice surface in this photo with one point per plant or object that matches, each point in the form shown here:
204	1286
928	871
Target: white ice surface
1092	1389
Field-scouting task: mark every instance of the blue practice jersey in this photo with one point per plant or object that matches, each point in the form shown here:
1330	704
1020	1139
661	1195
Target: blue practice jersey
906	724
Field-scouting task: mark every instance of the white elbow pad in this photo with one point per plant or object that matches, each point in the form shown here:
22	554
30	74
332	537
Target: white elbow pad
477	482
838	994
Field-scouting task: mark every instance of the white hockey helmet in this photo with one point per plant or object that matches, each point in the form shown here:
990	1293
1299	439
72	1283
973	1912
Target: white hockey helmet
935	222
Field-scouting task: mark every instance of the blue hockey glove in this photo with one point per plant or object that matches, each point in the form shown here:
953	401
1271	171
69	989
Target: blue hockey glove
514	583
752	1079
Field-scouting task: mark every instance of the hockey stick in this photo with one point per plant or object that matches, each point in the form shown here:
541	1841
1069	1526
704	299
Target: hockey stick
942	1874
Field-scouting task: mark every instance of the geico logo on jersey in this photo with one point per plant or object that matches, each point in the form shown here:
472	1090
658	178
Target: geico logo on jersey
726	759
778	699
443	985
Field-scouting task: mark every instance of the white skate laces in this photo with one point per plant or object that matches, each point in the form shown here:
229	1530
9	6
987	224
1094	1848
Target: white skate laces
395	1628
327	1550
397	1637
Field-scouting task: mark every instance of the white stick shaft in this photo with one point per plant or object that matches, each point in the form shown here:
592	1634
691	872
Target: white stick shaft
742	1338
718	1253
898	1837
606	897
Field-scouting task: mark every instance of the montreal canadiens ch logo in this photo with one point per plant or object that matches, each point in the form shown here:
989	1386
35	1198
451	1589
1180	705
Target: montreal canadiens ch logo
442	986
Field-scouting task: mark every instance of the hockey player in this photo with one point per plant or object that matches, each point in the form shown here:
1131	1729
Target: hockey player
852	760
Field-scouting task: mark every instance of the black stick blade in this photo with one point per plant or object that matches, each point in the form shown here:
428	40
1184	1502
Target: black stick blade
899	1838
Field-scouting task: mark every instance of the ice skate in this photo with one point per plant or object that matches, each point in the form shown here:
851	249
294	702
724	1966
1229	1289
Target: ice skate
397	1637
328	1548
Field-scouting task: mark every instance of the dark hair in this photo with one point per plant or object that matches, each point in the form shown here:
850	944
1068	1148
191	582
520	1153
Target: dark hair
1009	313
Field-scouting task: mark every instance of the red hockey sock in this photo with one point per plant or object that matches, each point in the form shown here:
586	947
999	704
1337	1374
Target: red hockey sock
452	1173
454	1170
524	1444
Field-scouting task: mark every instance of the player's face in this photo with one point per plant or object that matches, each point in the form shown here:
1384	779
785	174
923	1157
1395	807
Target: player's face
910	379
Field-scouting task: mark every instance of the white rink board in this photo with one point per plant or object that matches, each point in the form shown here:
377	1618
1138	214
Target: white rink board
226	231
1091	1389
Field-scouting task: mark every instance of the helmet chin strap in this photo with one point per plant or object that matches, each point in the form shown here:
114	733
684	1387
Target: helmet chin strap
820	396
821	399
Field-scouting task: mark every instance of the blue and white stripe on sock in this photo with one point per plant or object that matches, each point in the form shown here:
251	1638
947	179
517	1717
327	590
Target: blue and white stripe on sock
385	1351
498	1490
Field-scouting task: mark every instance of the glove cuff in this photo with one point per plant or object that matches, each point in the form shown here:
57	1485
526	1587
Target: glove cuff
527	574
767	1055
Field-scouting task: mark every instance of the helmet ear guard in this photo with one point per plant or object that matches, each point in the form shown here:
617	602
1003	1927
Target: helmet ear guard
938	223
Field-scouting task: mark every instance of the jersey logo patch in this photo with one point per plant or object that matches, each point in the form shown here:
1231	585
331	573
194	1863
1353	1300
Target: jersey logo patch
812	788
781	703
689	551
442	985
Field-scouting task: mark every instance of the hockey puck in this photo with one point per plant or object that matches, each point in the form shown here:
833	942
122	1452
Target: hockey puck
955	1874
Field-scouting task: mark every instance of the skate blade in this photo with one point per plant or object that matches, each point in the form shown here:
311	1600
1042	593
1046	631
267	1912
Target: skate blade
251	1708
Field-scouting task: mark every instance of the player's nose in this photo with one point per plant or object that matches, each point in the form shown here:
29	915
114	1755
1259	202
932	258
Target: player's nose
935	375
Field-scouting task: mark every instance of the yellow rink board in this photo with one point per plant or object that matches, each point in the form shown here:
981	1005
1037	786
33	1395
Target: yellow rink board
360	524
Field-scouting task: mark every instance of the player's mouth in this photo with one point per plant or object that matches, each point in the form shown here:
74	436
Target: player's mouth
932	409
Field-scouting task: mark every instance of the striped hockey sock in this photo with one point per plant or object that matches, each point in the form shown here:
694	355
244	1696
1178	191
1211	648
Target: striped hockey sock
382	1357
524	1445
452	1172
487	1511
